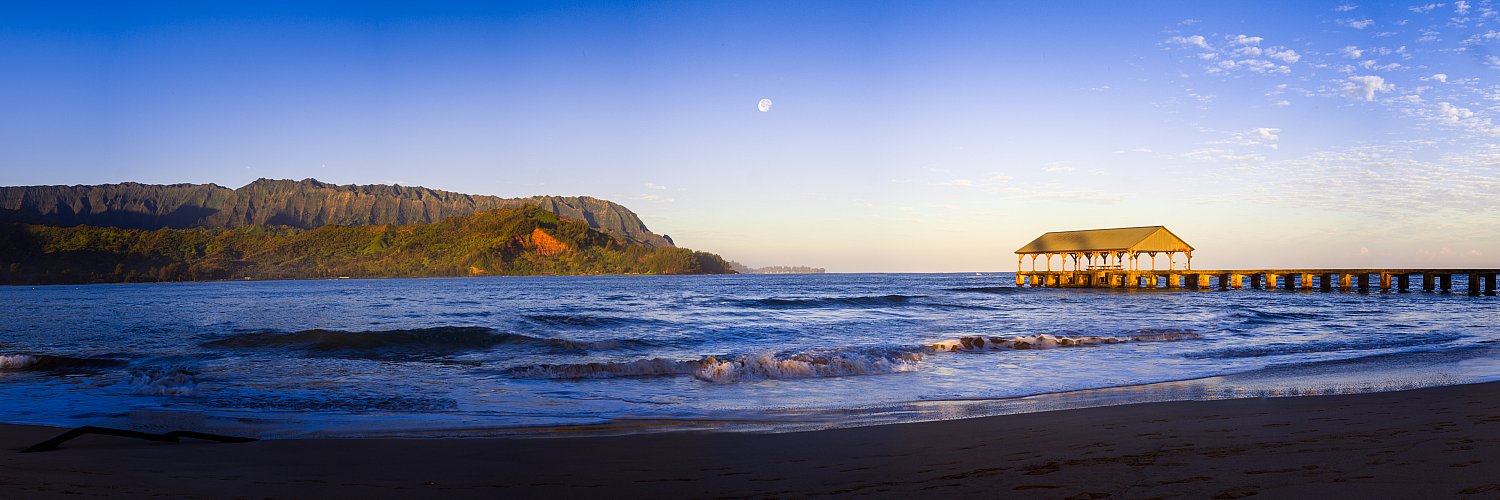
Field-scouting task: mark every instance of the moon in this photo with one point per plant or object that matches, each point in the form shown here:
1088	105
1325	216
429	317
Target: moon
764	105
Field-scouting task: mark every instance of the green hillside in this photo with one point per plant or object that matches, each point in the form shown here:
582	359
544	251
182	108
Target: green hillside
526	240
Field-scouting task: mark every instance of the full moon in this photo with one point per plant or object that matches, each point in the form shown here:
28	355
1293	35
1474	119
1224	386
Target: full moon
764	105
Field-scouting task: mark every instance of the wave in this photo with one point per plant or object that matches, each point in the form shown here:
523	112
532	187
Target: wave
655	367
986	289
163	381
861	301
1263	317
1347	345
42	362
580	321
803	365
838	362
1044	341
437	340
730	369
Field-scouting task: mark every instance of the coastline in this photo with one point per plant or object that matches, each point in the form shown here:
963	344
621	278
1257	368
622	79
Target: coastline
1429	442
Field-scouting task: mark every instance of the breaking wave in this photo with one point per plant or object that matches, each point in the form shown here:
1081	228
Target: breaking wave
41	362
729	369
1044	341
163	381
438	340
803	365
819	363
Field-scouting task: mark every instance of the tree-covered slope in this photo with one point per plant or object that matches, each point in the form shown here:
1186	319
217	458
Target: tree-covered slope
305	204
525	240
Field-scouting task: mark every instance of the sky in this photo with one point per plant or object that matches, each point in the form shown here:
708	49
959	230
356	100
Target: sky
904	136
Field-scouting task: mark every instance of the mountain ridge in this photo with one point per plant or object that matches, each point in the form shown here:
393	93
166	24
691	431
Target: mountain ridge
305	204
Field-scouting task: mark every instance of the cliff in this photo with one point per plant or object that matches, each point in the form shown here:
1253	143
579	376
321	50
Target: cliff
305	204
525	240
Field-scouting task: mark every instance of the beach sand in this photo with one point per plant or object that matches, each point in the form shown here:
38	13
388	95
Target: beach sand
1426	443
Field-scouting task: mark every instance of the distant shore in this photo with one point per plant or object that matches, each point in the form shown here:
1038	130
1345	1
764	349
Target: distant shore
1429	443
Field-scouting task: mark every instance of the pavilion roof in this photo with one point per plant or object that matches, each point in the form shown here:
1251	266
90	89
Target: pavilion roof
1124	239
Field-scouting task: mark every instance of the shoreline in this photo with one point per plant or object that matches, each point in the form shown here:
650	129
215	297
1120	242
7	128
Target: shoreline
1428	442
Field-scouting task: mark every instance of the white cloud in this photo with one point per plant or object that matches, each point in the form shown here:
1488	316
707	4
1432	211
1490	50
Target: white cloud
1058	167
1287	55
1000	178
1461	7
655	198
1441	77
1266	133
1247	40
1345	7
961	183
1352	52
1370	64
650	185
1453	114
1283	102
1358	24
1365	87
1423	9
1192	41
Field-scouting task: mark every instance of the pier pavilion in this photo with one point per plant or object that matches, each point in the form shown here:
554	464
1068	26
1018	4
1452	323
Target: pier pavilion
1105	249
1110	258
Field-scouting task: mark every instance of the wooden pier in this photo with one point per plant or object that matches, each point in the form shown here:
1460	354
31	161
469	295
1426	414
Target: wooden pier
1477	281
1117	258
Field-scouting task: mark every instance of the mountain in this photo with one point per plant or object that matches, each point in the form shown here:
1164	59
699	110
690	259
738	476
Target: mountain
524	240
305	204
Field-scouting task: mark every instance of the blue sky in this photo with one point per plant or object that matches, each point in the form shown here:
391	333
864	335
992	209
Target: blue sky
904	137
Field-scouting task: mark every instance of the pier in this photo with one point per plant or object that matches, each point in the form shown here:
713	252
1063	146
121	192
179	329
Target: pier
1476	281
1112	258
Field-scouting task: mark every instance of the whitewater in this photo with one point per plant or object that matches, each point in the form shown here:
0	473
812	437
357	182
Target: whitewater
545	355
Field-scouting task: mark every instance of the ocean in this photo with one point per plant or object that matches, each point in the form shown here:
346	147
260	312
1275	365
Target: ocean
545	356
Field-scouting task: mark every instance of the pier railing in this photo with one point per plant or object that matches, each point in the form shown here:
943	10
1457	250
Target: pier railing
1477	281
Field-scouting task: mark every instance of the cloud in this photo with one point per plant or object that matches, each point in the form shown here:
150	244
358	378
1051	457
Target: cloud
961	183
1461	7
1283	103
1370	64
1287	55
650	185
1423	9
1058	167
1365	87
1358	24
655	198
1192	41
1266	133
1439	77
1345	7
1352	52
1247	40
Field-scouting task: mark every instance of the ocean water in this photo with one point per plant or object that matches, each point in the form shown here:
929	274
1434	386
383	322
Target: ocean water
567	355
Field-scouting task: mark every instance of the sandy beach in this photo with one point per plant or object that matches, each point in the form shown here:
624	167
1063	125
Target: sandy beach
1425	443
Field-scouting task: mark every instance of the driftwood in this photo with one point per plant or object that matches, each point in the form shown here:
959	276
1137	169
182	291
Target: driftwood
168	437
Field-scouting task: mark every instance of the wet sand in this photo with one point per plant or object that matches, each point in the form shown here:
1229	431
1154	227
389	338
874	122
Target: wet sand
1426	443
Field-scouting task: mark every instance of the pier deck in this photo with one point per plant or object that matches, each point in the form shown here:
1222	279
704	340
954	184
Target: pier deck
1476	281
